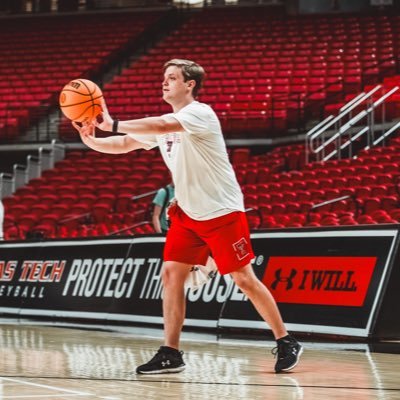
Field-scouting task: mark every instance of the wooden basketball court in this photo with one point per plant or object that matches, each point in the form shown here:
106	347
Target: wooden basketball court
63	362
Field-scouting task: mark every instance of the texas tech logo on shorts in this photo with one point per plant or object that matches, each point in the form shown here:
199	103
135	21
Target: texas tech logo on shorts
241	248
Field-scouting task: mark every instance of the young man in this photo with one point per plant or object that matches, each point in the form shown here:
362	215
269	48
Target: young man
208	215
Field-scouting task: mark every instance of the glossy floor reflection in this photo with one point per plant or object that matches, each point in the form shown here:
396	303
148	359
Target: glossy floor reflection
55	362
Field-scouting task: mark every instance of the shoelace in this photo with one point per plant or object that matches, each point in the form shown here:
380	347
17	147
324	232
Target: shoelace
280	350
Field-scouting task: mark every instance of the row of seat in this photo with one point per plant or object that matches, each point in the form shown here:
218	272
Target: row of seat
271	48
248	59
91	189
39	56
342	192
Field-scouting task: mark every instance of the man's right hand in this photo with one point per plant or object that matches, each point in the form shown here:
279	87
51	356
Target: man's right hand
107	122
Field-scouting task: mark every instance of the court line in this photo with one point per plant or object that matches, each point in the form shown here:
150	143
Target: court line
74	392
374	370
268	385
144	380
41	396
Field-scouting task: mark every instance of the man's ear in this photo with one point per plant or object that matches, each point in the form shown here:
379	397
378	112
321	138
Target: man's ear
191	83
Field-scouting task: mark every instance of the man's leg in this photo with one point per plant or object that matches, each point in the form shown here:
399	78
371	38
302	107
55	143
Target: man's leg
169	358
174	303
261	298
288	350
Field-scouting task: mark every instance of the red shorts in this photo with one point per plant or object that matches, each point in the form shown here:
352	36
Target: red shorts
226	238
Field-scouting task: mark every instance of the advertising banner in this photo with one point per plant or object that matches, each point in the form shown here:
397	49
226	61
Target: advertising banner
48	277
116	279
325	282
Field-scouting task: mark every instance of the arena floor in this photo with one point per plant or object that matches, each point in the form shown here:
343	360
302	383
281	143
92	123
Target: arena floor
45	361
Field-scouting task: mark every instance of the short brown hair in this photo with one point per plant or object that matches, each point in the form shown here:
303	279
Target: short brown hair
190	71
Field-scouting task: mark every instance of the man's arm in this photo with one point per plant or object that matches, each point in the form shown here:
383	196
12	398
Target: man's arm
111	144
142	126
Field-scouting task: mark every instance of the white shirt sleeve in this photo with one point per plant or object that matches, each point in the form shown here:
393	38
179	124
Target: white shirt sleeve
195	118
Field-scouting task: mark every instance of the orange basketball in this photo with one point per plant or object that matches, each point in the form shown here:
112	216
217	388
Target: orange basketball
80	100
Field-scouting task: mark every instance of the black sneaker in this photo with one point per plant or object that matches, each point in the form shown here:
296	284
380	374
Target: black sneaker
288	353
166	360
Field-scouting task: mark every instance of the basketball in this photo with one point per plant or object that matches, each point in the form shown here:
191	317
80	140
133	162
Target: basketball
80	100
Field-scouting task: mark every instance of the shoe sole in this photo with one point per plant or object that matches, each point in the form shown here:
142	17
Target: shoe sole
292	366
162	371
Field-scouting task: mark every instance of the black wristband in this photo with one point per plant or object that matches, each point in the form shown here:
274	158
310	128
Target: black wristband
115	126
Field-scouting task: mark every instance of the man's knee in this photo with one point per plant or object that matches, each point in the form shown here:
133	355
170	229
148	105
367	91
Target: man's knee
174	273
167	274
244	278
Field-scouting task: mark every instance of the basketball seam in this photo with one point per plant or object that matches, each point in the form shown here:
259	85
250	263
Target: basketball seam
90	94
75	91
87	87
83	102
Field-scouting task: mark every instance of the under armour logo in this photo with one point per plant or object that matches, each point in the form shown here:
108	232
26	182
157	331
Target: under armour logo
165	363
288	279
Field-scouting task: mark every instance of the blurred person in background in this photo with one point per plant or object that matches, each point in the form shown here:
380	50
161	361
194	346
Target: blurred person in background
161	201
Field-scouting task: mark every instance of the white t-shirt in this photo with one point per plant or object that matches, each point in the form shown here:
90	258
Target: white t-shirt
205	182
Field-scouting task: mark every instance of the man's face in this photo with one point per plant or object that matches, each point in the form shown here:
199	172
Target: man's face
174	86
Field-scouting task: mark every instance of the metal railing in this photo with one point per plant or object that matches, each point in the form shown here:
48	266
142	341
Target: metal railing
319	139
327	202
128	228
318	134
382	138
